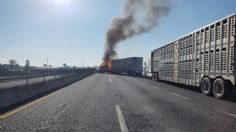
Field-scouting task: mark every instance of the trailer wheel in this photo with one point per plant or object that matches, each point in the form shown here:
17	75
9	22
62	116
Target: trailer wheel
206	86
220	89
157	77
153	76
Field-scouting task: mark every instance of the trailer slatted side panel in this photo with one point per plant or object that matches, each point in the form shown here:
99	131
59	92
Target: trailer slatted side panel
206	52
132	65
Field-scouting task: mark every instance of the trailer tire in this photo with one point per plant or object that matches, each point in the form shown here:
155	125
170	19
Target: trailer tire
206	86
157	77
153	76
220	89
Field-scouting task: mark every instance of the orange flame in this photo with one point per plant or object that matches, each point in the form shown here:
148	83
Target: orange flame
106	65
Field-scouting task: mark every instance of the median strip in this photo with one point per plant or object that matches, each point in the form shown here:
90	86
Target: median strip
121	118
28	105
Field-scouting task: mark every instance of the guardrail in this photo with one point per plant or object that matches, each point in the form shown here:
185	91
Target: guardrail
13	93
42	77
6	79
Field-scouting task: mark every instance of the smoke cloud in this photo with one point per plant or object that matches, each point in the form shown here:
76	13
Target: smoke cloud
138	16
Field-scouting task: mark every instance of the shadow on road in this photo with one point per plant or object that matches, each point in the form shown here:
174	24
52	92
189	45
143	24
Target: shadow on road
231	97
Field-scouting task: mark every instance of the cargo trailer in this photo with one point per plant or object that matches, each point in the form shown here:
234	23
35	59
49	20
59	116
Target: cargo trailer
204	58
131	66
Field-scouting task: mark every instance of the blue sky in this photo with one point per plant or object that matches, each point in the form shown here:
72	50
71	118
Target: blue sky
70	31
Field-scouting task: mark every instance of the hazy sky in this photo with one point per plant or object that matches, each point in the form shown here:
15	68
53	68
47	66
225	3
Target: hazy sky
70	31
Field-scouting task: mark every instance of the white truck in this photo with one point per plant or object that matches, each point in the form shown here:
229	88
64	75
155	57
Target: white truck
147	73
204	58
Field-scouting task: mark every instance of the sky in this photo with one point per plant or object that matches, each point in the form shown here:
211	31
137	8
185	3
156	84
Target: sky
73	31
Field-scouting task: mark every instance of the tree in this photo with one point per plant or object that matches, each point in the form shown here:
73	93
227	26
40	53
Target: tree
12	62
27	64
65	65
50	66
44	65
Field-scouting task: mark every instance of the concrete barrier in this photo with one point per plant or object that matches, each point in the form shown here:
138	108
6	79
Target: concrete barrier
11	97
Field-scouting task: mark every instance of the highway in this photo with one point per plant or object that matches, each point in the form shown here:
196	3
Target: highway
115	103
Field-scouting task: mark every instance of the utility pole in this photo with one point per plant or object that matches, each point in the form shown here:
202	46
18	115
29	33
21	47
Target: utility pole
47	62
83	64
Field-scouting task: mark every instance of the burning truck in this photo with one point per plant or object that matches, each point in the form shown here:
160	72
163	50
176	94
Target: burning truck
128	24
105	68
129	66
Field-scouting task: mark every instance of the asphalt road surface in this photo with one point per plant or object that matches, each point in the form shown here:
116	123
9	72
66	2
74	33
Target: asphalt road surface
114	103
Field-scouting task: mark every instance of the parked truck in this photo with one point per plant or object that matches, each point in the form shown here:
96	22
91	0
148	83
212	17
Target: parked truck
204	58
147	73
131	66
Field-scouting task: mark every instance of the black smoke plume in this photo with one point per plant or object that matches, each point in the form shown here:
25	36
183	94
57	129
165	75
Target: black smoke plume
138	16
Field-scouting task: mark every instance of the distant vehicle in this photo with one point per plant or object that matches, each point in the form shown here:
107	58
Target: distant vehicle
147	73
130	66
204	58
103	69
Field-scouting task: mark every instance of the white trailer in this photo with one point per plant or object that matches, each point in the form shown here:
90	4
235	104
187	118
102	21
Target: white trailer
203	58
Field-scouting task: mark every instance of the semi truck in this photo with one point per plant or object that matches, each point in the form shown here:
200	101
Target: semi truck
204	58
131	66
147	69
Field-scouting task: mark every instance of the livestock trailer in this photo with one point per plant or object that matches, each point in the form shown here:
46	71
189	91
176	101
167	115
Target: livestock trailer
204	58
131	66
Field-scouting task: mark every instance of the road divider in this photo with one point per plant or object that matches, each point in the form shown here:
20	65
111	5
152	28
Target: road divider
14	96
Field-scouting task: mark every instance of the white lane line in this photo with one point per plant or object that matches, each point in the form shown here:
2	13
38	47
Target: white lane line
110	80
157	87
228	113
181	96
121	118
144	83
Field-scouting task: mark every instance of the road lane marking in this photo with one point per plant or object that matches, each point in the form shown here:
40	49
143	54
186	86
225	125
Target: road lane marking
229	114
144	83
181	96
121	118
135	79
109	78
20	108
157	87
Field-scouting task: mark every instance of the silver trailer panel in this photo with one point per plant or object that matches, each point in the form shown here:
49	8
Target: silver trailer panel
209	51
